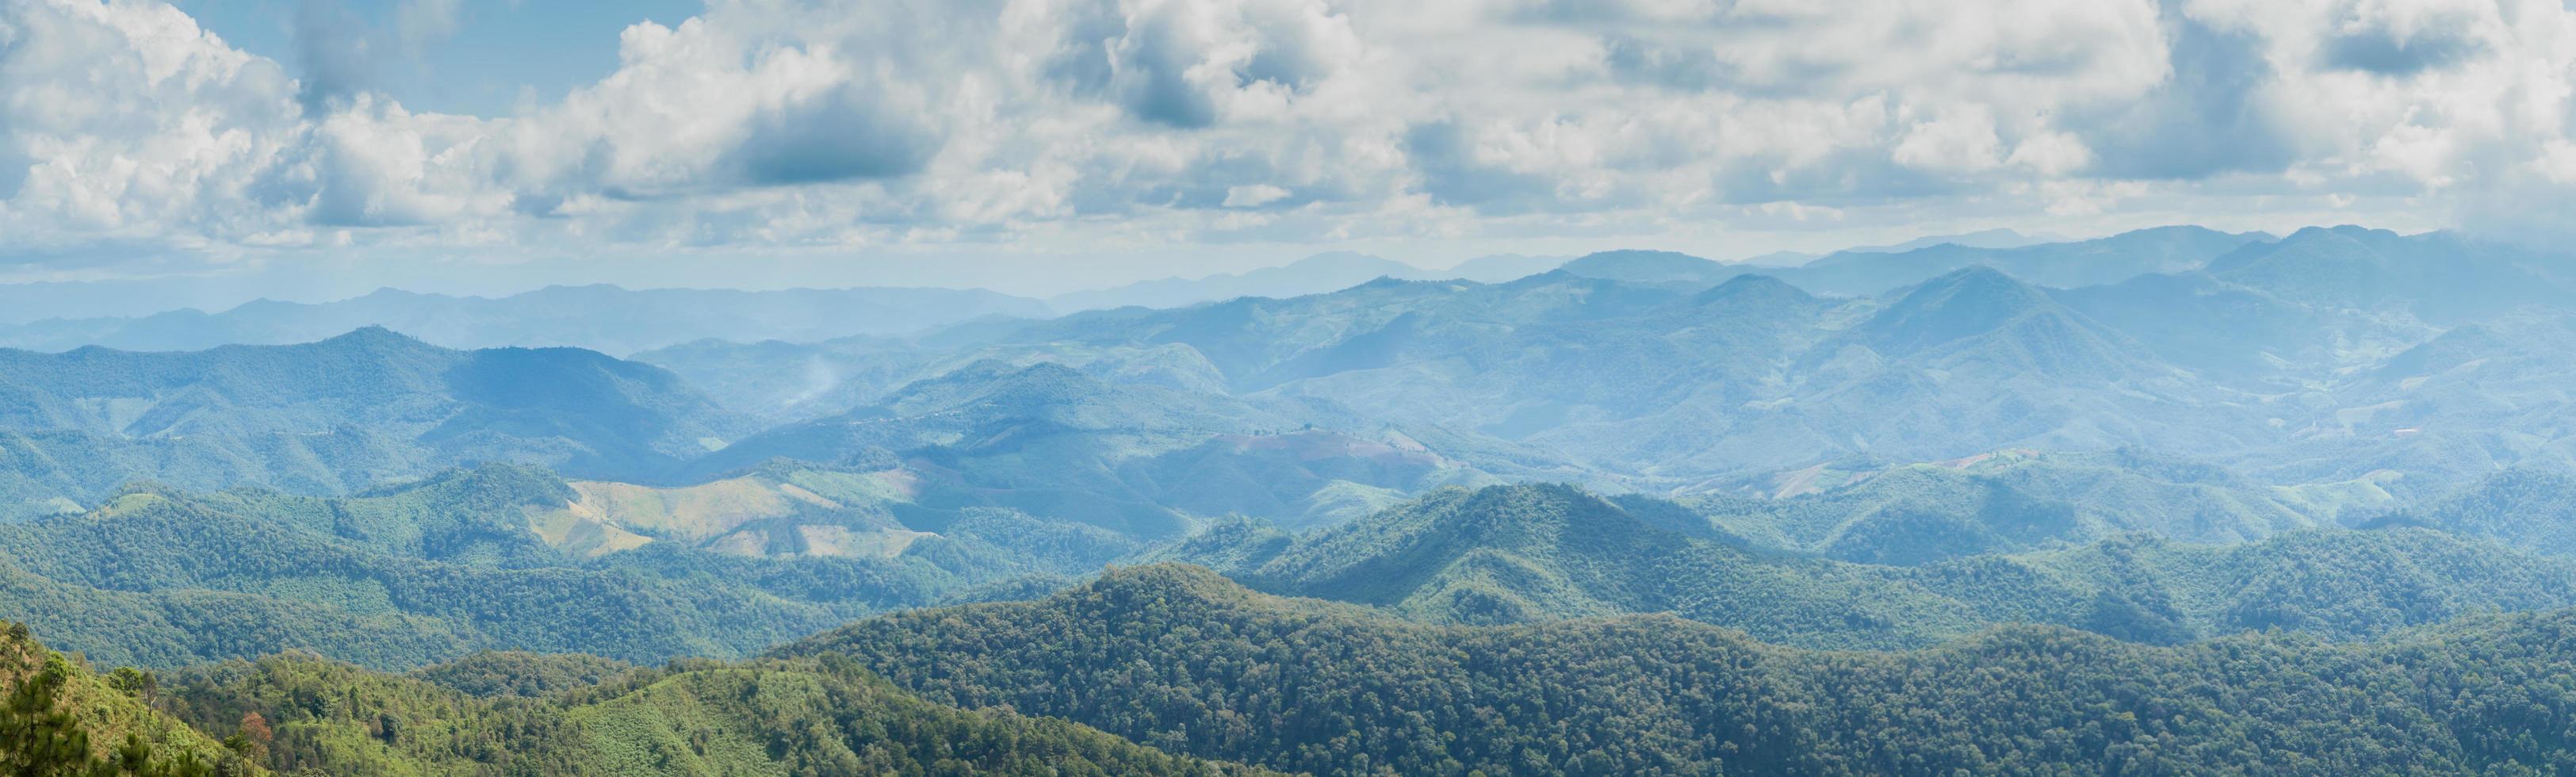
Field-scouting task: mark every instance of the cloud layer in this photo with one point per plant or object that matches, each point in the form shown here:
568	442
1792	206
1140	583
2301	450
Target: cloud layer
127	130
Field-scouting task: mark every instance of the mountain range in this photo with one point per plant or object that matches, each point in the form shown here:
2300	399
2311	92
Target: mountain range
601	317
2170	501
1312	275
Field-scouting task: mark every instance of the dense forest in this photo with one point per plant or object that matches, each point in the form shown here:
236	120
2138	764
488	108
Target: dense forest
1506	554
1173	664
299	714
1183	660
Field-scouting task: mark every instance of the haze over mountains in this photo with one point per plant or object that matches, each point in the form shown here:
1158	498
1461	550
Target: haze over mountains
2087	477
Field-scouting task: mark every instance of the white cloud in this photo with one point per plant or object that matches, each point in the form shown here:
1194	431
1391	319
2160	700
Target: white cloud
1253	196
788	123
1961	143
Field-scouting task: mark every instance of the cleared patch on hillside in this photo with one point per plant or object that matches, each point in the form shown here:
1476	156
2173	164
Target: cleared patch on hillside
761	515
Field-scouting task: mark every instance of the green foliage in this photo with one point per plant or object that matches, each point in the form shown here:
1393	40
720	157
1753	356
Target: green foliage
2525	508
58	719
2007	502
822	716
1523	553
404	577
520	673
1181	659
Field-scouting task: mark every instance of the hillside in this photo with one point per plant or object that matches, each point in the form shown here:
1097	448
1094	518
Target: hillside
2534	510
2014	500
1138	458
824	716
332	416
1539	553
2066	264
62	718
1351	692
2441	277
497	558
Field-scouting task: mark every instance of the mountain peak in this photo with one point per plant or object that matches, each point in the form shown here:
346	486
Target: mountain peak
1753	290
2352	232
1965	302
373	336
1642	266
1975	284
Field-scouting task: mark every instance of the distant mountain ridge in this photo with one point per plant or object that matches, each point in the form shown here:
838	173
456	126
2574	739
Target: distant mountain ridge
598	317
1872	271
1316	274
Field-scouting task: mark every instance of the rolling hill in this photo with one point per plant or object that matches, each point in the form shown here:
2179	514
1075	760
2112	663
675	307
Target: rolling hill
501	558
1511	554
1181	659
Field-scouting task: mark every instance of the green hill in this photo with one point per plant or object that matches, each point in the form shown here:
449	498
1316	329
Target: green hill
403	577
1511	554
1180	658
61	718
2015	500
2531	509
767	717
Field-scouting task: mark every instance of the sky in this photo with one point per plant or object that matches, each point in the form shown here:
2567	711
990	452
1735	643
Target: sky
1040	146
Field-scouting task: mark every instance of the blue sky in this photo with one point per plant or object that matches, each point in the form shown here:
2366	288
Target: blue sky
1042	145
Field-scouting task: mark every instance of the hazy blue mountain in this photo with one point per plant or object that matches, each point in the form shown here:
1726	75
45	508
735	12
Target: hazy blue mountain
1584	377
1876	270
1496	268
2439	277
333	415
1139	458
1777	259
1636	266
599	317
25	303
2012	501
1999	237
2063	265
779	381
1312	275
2240	335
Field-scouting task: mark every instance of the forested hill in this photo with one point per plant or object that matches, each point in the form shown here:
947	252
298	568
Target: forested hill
61	718
297	714
1507	554
1179	658
502	557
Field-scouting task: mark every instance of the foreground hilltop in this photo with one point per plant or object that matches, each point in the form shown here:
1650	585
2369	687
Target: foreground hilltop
303	715
1180	658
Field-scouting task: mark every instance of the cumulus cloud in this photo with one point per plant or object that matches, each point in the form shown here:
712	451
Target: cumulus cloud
810	123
